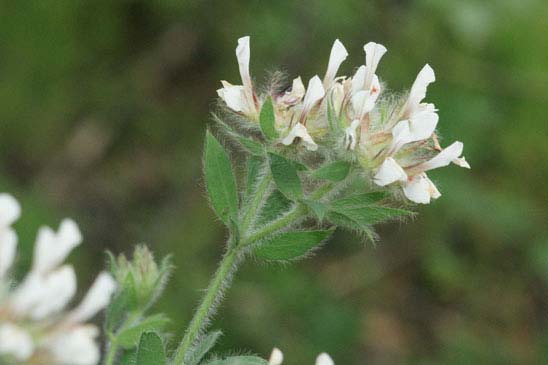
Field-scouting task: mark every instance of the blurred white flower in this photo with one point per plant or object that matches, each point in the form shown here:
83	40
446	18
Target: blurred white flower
277	357
32	317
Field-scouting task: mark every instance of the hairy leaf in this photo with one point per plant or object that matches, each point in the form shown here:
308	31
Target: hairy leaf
239	360
359	200
128	337
267	120
286	177
276	204
220	181
151	350
198	351
336	171
253	147
290	245
318	208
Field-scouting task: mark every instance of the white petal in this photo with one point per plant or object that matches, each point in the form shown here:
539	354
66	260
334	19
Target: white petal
337	56
96	299
243	54
296	94
401	134
390	171
420	189
58	288
16	342
337	97
444	158
276	357
8	249
418	91
75	347
350	135
52	248
324	359
300	131
10	210
363	102
358	81
373	55
233	96
461	162
422	125
314	93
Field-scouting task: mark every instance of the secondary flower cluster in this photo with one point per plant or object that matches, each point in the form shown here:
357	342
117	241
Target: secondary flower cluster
277	358
393	138
34	328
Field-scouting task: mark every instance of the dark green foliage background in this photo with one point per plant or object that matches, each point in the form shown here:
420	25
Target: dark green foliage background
103	110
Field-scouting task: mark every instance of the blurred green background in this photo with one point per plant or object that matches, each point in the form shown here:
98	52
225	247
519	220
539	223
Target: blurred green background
103	108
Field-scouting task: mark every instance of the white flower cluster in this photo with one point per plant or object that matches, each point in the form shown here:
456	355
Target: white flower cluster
277	358
393	138
34	328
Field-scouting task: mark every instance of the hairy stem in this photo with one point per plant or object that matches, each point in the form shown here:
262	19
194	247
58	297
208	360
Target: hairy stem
254	205
220	281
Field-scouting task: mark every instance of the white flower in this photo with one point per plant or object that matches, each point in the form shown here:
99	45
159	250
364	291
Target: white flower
296	93
425	77
52	248
276	357
337	56
420	189
389	172
10	210
444	158
324	359
241	98
32	320
15	341
314	93
75	346
350	135
96	299
300	131
421	119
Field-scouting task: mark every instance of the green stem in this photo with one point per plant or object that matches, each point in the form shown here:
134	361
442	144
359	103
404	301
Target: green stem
112	351
258	197
298	211
221	280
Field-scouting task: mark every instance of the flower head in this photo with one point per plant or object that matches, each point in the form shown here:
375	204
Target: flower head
393	138
33	320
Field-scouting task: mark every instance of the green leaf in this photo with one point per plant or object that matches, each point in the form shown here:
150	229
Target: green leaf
290	245
253	147
239	360
220	181
359	200
123	302
320	209
276	204
198	351
343	221
372	214
151	350
253	168
286	177
267	120
128	337
336	171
